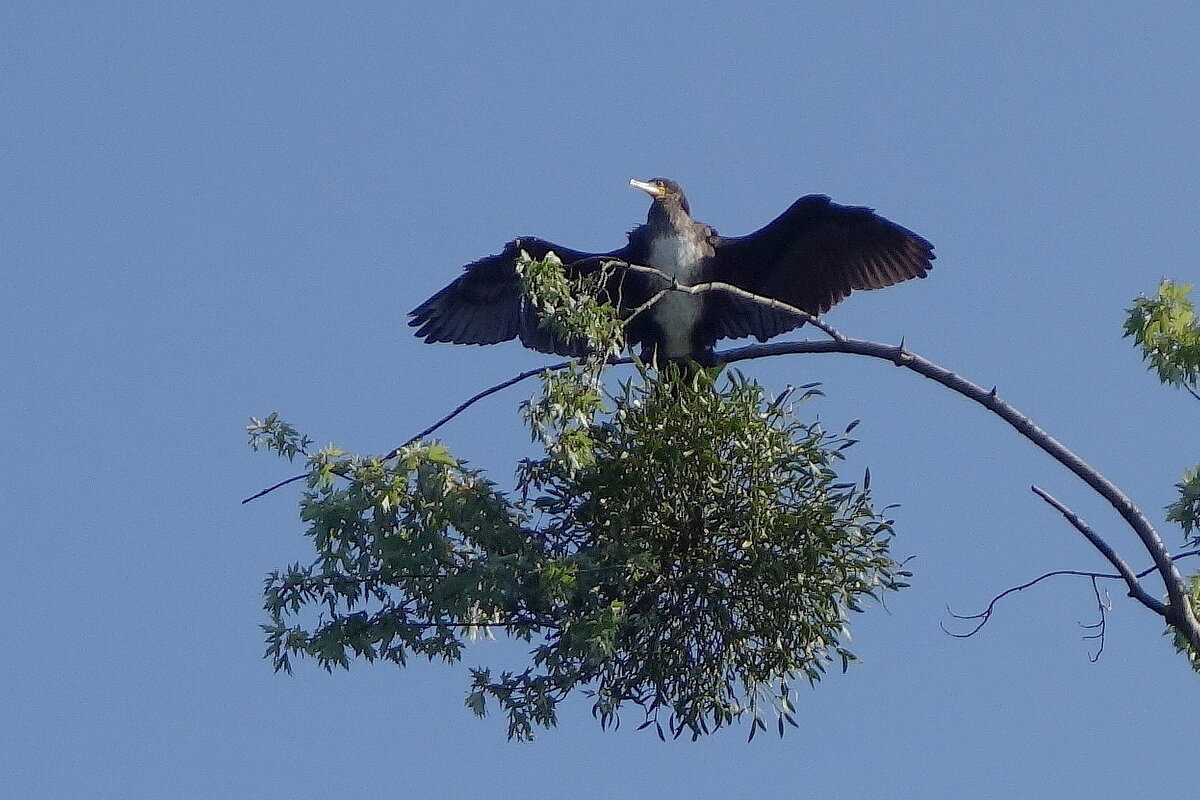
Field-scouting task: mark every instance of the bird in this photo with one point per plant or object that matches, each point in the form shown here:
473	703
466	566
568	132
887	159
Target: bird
810	257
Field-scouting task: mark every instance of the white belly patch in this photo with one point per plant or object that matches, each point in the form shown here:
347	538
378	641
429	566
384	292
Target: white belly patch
677	312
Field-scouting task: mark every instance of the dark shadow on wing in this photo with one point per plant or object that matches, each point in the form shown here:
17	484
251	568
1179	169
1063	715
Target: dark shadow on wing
484	304
811	257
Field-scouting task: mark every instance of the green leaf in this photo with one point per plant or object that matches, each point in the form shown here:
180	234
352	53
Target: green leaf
438	453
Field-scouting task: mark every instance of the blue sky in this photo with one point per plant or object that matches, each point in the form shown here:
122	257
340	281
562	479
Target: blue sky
209	212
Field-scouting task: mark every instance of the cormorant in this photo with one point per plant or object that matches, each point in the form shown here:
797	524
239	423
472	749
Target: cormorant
810	257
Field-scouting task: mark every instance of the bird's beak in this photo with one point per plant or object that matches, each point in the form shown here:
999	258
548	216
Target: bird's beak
649	188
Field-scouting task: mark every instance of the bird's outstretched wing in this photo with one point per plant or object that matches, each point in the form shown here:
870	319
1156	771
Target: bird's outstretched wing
811	257
484	304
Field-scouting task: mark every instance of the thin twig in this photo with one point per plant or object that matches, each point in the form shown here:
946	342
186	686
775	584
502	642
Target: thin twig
659	295
448	417
270	489
986	614
769	302
1100	627
529	373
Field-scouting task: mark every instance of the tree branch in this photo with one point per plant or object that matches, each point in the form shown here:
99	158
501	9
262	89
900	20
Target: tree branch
458	410
1123	569
1178	610
654	298
769	302
270	489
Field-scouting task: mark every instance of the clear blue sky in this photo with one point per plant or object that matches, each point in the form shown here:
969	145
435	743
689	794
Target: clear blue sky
208	212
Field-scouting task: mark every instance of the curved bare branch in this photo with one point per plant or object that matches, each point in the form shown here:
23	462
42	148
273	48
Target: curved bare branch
1177	611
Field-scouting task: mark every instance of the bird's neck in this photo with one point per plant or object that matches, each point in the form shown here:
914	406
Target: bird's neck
668	220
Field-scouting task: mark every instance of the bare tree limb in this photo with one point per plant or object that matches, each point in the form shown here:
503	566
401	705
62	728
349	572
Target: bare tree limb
463	406
491	390
769	302
654	298
1178	611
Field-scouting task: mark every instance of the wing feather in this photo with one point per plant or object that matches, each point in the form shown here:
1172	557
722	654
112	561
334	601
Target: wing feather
812	256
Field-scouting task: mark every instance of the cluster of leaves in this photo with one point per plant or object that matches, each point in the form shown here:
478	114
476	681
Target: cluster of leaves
683	547
272	433
1166	330
572	308
1186	510
1164	327
1181	643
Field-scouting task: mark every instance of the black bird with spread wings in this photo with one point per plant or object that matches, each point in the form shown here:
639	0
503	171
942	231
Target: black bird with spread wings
810	257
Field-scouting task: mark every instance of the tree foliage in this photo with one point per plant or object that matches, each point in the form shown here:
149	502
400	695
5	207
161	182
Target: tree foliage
684	546
1164	328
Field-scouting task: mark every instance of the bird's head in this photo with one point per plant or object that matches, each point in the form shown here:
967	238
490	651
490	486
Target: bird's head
663	190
